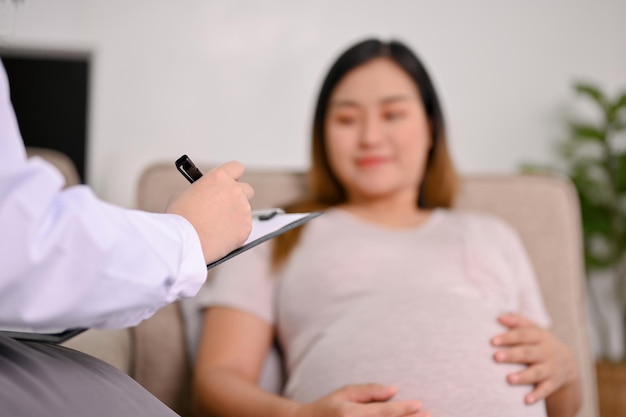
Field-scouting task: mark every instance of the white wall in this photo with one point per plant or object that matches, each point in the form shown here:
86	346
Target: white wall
227	79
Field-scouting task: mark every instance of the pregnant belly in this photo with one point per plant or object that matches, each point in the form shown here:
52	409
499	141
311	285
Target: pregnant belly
436	352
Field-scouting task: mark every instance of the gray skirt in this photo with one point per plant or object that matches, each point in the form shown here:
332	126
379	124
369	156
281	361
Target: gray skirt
42	379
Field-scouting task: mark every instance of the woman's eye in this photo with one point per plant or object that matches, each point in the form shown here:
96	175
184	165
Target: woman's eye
345	119
393	115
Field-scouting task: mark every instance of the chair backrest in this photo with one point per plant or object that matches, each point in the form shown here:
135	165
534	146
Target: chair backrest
543	210
61	161
272	188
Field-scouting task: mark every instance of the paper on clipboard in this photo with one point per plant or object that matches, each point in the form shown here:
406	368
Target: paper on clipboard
264	230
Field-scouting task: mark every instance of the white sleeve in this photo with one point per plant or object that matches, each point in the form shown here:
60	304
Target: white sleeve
70	260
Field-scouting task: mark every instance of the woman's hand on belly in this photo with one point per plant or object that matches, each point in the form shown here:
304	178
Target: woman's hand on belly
365	400
550	363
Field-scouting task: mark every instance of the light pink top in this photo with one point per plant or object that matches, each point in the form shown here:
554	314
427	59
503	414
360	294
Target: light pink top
358	303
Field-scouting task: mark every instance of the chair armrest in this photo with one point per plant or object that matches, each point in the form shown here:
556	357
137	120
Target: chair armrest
111	346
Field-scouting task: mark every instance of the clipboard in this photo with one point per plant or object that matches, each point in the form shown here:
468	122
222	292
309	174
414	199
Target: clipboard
264	230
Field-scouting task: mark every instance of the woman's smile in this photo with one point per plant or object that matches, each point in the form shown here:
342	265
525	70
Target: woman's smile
373	161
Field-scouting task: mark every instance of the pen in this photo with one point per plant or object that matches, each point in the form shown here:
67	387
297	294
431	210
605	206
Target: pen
188	169
192	173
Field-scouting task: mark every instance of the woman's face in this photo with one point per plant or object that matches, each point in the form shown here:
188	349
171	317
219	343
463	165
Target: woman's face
377	134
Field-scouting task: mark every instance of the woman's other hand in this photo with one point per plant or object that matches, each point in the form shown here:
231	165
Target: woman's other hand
550	362
366	400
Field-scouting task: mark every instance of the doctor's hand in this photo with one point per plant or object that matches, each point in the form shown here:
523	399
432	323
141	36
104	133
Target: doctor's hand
550	362
366	400
218	207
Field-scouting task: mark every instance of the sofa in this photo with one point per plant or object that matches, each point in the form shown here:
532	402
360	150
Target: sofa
543	209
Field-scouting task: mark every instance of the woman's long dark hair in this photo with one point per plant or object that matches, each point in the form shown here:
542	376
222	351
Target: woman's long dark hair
439	182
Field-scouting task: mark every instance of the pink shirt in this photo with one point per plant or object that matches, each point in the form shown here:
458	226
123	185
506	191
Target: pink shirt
358	302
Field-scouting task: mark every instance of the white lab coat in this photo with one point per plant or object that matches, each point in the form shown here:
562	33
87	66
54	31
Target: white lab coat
69	260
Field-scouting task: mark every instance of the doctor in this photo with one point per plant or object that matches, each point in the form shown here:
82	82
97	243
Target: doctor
70	260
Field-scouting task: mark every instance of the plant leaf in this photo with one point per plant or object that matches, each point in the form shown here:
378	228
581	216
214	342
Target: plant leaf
583	131
620	102
592	92
614	109
621	173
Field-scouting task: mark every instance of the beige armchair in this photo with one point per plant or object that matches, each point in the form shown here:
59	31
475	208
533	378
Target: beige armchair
544	210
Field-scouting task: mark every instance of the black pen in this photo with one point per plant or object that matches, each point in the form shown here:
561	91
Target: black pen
188	169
